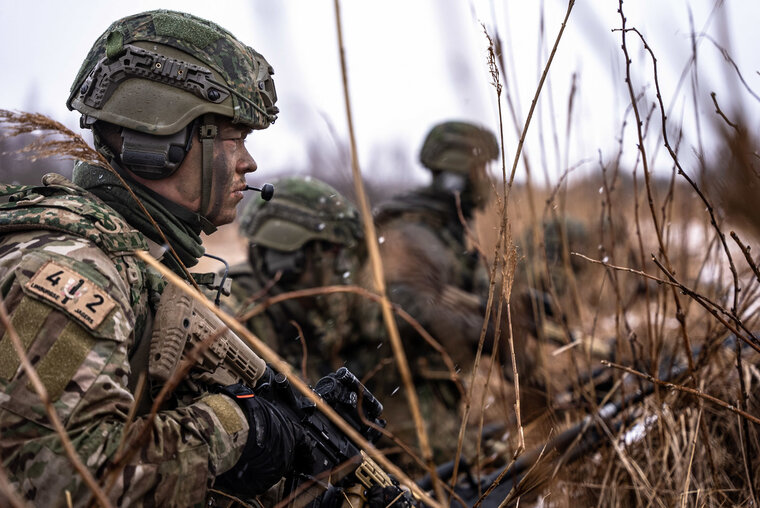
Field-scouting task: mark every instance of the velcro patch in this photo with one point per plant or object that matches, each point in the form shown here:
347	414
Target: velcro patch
72	292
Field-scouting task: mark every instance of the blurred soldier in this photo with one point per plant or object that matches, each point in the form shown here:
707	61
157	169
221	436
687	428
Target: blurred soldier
170	99
430	270
432	273
307	236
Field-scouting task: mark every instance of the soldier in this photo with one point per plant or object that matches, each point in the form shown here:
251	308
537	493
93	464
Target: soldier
170	99
307	236
430	270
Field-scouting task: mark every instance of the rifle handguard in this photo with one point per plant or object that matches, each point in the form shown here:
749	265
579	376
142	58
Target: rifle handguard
180	325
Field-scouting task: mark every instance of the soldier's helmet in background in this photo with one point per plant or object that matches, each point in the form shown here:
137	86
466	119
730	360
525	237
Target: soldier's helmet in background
458	147
302	210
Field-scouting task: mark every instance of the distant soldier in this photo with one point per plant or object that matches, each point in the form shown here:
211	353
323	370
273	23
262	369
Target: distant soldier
431	271
307	236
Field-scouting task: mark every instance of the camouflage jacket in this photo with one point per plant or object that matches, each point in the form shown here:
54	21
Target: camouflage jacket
80	303
429	269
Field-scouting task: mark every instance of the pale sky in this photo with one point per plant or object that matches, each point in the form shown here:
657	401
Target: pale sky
414	63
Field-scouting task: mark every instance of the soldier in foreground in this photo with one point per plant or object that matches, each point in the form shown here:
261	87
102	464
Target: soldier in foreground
307	236
170	99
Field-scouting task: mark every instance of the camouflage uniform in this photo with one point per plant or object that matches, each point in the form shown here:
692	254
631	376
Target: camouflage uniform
311	235
433	275
79	301
83	304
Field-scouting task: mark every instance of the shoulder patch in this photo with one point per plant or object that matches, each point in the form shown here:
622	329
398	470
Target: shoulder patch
72	292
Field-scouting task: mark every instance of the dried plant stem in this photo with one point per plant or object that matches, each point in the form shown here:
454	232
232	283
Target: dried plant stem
270	356
39	387
379	278
693	446
676	161
624	269
686	389
533	103
715	309
323	290
304	349
493	361
518	417
721	114
632	467
679	312
747	255
503	238
476	363
712	307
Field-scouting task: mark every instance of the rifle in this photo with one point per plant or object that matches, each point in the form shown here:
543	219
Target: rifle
334	464
578	441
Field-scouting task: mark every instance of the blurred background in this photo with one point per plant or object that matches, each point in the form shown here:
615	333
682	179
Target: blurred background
412	64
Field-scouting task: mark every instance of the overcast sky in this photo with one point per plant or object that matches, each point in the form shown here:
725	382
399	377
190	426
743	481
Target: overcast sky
414	63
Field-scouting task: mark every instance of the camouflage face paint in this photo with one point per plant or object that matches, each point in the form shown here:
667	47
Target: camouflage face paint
231	163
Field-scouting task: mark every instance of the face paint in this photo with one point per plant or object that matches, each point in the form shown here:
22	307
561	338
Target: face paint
231	163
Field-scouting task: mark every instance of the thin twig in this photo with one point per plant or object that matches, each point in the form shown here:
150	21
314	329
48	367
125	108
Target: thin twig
378	276
747	255
685	389
304	349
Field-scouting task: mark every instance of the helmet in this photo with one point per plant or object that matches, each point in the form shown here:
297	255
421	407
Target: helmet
180	67
457	147
159	76
303	209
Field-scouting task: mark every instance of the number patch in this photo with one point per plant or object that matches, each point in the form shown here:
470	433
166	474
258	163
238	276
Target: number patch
72	292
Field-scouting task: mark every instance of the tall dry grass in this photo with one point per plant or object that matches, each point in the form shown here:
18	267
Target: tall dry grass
659	297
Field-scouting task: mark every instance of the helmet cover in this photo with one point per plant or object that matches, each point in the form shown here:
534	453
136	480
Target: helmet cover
457	147
180	67
302	210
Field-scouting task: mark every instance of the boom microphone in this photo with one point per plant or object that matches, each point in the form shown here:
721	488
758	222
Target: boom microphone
266	190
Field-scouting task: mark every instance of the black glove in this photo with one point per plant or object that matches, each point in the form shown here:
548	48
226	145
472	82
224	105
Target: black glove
382	497
270	449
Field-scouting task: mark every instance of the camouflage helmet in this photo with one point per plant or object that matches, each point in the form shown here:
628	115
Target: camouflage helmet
180	67
303	209
457	147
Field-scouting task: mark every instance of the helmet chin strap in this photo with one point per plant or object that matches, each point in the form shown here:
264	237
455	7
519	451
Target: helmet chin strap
208	132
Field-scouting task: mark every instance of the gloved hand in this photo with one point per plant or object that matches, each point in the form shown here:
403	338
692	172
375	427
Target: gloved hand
388	497
270	449
345	393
